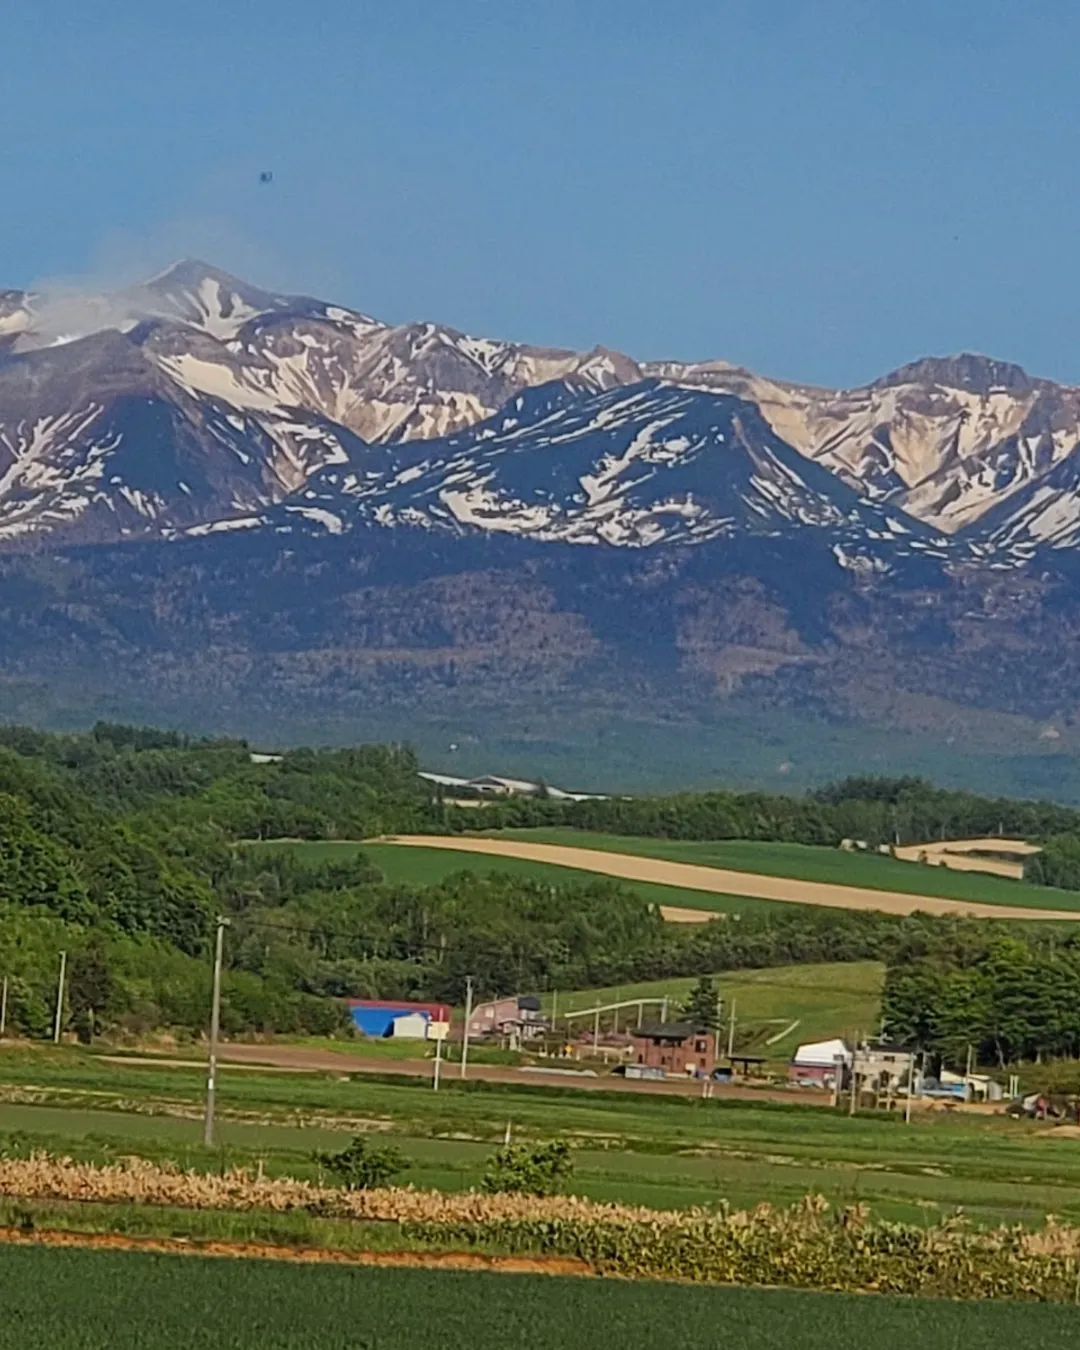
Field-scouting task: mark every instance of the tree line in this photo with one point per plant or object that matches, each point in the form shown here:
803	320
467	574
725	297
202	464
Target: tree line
874	810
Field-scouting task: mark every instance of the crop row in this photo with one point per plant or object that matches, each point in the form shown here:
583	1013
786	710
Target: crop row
807	1246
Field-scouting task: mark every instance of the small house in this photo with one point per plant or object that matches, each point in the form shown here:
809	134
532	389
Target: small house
518	1016
676	1048
883	1067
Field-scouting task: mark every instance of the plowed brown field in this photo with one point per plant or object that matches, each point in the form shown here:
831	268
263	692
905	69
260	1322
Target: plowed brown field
721	881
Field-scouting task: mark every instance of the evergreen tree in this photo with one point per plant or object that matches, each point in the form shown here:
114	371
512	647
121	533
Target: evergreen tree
702	1007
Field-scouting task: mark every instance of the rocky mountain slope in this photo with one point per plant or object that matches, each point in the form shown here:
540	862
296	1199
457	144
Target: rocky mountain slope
219	498
635	466
946	440
196	401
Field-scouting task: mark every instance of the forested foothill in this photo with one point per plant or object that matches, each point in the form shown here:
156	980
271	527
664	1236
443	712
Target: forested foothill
122	845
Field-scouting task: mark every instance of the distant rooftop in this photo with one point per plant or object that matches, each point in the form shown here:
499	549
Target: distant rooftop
668	1031
495	785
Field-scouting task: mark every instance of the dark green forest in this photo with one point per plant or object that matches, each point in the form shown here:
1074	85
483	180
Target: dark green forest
1010	996
122	845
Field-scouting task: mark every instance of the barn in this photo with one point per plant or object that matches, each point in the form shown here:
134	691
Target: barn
818	1063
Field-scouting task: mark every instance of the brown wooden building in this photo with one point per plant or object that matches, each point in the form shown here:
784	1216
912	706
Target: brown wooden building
677	1048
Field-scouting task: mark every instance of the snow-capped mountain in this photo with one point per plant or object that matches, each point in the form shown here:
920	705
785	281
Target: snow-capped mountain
197	401
945	440
335	514
98	443
220	337
250	390
634	466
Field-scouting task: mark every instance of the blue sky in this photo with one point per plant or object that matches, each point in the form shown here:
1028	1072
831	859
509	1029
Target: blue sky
820	190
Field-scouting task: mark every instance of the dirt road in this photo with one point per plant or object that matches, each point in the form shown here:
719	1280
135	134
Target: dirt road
721	881
303	1059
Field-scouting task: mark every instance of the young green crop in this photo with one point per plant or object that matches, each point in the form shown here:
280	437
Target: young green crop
137	1301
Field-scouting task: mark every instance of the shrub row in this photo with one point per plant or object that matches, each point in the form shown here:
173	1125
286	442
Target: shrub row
807	1246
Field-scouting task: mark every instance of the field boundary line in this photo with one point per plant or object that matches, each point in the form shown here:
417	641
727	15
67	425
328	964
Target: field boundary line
264	1251
725	881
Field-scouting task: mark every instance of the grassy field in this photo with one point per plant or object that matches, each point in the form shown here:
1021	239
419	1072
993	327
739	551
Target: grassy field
427	866
803	862
136	1300
660	1151
807	862
823	1000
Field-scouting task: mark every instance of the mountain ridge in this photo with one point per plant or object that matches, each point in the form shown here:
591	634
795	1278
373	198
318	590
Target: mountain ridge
247	508
297	384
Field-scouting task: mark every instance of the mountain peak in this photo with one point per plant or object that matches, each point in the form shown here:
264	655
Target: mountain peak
189	272
965	370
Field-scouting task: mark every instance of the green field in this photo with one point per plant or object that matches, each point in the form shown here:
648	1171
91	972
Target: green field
428	866
804	862
143	1301
824	1001
660	1151
808	862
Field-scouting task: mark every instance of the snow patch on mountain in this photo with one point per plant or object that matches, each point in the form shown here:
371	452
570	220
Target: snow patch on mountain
946	440
230	400
636	467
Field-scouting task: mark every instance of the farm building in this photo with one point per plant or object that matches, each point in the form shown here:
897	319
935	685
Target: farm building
815	1064
410	1026
381	1017
676	1048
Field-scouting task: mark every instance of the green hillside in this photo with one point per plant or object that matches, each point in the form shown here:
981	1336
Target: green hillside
779	1007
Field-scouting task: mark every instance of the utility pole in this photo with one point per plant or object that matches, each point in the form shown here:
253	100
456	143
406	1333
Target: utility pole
854	1078
596	1029
3	1009
215	1028
468	1019
438	1063
731	1032
910	1089
58	1020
